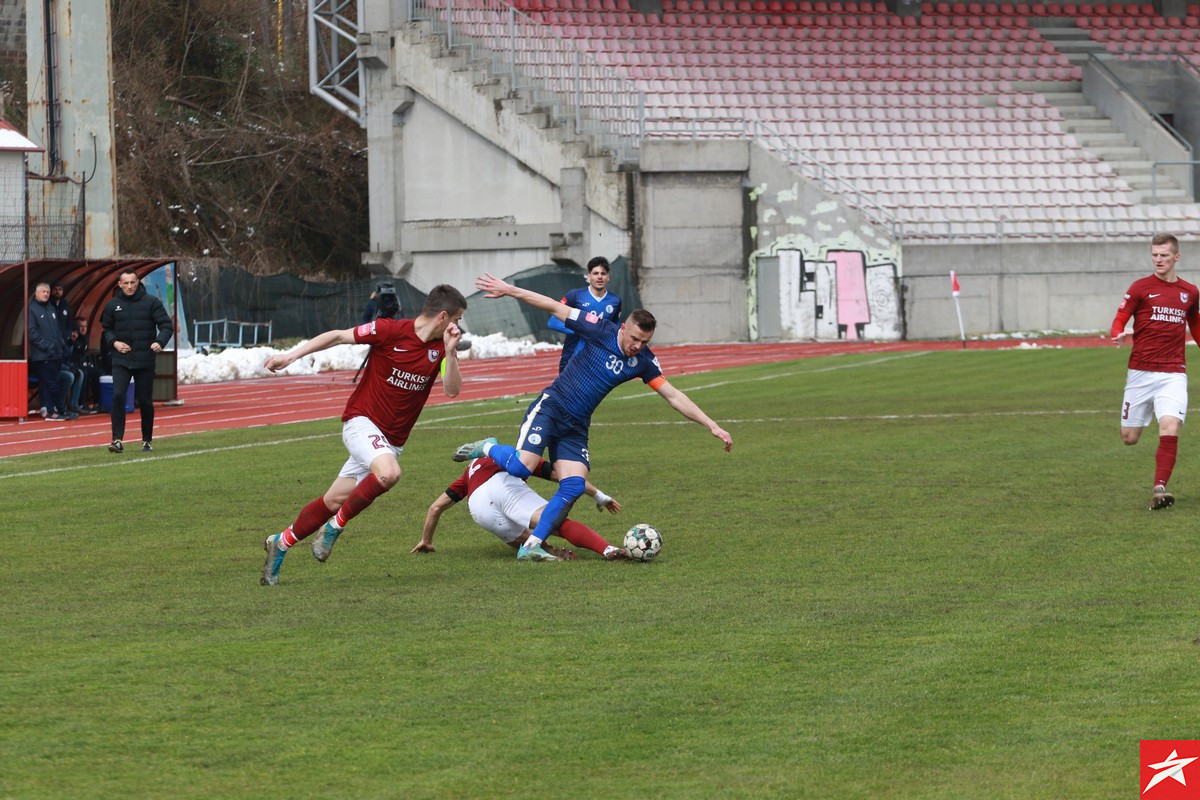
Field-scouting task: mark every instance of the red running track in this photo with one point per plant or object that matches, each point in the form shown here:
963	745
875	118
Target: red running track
282	399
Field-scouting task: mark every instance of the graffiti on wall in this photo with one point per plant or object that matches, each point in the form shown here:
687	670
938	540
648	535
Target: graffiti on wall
838	294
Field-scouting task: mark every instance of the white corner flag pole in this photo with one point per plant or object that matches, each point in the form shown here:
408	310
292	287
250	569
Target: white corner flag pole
957	309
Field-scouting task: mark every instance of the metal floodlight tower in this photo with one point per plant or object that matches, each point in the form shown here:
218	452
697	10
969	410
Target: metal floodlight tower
334	72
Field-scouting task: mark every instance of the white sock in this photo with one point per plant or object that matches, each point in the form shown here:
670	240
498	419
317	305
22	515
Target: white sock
487	447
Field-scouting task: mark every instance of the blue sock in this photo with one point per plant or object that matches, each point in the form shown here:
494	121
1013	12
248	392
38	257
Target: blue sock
569	490
508	457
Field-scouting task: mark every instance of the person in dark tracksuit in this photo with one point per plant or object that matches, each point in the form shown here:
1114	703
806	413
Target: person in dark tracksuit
46	351
136	327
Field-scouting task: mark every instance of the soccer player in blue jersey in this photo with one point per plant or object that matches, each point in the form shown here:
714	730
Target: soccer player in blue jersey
560	415
593	297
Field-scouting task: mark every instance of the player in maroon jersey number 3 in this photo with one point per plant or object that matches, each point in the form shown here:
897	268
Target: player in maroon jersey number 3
1161	305
402	365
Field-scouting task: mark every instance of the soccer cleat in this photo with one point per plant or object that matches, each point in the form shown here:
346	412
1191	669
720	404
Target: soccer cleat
116	446
618	554
274	561
561	553
535	553
471	450
323	543
147	447
1161	498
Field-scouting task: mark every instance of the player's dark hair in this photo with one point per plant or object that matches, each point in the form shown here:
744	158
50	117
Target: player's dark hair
443	297
642	319
1165	238
598	261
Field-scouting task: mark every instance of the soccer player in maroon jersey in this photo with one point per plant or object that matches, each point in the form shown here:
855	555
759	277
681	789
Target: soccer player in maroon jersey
506	506
1161	305
403	363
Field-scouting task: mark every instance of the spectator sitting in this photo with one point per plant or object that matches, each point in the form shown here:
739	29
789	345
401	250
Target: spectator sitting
85	362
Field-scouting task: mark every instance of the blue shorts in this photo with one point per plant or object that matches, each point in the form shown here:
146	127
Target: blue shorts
546	426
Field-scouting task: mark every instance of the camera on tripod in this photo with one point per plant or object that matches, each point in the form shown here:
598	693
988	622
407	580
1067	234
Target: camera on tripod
387	302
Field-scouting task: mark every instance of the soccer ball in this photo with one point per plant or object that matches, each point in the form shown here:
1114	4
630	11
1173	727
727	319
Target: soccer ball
643	542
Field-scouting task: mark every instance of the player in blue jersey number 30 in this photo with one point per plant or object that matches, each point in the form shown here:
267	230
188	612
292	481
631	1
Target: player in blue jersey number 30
559	417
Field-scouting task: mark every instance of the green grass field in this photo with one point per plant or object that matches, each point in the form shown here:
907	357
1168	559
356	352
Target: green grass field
916	576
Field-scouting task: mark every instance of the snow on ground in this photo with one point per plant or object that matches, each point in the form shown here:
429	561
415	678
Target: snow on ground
235	363
247	362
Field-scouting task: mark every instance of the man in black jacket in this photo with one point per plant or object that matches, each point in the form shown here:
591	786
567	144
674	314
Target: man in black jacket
46	351
137	327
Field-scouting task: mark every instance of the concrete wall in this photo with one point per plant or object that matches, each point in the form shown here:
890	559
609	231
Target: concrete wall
1023	287
695	219
464	178
818	268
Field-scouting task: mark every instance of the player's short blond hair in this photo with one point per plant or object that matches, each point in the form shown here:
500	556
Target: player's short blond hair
1165	238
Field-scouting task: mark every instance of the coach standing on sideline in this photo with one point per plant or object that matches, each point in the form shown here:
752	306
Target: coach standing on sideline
136	327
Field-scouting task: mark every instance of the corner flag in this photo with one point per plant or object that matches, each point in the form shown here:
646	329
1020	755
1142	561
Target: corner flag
957	310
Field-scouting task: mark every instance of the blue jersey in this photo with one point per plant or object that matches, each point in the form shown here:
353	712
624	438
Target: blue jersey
598	368
607	307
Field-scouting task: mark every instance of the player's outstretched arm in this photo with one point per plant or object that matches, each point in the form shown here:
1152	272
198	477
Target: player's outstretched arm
685	406
494	287
316	344
431	522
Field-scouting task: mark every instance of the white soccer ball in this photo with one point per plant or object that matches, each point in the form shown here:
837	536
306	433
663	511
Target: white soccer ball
643	542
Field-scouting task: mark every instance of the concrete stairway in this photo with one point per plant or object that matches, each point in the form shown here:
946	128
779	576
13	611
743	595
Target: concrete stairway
1093	130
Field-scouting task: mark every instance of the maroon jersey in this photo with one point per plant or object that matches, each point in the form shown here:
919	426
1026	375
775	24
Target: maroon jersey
1162	312
479	472
398	377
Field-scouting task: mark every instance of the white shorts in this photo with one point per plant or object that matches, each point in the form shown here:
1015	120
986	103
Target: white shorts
365	443
504	505
1163	394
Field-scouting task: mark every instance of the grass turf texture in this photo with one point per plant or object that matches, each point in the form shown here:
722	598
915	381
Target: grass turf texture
917	575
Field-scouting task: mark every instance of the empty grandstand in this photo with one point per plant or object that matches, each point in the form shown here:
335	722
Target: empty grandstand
507	135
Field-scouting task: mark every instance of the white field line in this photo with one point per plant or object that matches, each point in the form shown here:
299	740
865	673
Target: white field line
441	422
133	460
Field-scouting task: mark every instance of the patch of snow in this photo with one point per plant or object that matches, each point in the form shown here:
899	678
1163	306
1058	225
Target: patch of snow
236	363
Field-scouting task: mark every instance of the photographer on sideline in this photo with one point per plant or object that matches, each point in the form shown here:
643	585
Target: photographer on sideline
383	304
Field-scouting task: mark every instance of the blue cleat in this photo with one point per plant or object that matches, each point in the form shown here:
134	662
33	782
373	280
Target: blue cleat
535	553
323	544
470	450
274	560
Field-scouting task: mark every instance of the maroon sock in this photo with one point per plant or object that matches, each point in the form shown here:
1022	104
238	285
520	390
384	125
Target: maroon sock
581	535
363	495
1164	459
311	517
